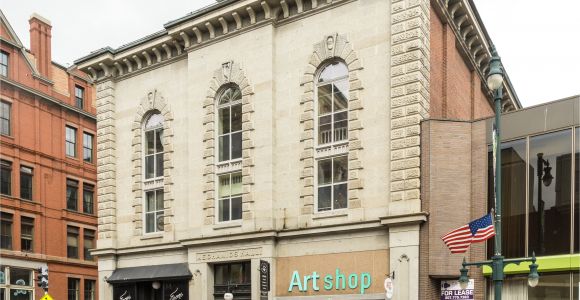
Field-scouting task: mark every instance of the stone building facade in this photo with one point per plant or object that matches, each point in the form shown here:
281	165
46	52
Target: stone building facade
48	209
278	134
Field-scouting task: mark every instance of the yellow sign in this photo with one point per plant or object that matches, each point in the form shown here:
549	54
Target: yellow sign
46	297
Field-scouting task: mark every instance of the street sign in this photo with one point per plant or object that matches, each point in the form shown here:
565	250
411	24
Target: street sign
264	277
46	297
450	290
389	288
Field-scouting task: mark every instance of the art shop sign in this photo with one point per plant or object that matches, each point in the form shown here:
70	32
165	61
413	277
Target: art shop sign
338	280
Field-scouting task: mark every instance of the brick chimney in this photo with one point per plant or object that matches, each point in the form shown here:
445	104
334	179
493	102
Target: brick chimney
40	43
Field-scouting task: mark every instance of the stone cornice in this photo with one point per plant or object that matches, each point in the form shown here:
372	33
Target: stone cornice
474	43
193	31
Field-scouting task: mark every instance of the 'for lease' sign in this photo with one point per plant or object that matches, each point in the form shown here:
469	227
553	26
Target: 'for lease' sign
450	290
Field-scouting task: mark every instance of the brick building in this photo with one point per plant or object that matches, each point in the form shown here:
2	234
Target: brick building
48	170
281	132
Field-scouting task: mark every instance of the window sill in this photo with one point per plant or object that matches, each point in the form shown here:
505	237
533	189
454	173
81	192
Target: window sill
151	236
80	213
8	136
330	214
228	224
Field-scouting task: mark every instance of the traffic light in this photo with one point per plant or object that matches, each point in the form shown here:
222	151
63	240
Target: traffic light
42	278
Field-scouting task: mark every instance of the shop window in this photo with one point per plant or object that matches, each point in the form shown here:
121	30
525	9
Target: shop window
88	198
89	243
26	234
72	242
91	290
5	115
234	278
3	63
154	211
26	183
551	286
577	194
72	191
16	283
5	177
154	146
550	193
73	288
332	183
79	96
6	231
230	124
230	197
332	98
71	141
88	147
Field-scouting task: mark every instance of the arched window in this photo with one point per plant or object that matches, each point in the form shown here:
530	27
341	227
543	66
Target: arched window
332	90
332	95
229	123
153	146
153	162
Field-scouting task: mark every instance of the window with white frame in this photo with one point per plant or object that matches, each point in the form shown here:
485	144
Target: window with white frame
230	123
154	211
154	146
331	95
332	98
16	283
230	197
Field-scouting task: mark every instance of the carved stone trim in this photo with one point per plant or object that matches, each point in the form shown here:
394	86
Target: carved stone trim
332	46
153	101
228	73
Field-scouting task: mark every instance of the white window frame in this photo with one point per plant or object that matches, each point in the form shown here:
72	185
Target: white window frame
154	183
73	142
333	113
332	184
218	198
154	212
217	122
12	287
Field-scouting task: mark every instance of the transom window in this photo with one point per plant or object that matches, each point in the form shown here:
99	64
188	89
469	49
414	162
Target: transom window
230	124
332	98
332	183
154	211
154	146
230	197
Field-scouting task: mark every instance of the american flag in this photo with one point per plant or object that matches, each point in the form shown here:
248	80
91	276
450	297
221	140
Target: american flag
476	231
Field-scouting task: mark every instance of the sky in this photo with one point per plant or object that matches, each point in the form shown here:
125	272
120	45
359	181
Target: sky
538	41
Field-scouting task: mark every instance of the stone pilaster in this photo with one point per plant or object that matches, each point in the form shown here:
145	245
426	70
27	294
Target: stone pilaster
409	100
106	159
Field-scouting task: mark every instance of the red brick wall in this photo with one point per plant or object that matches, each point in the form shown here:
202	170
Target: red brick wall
37	140
455	91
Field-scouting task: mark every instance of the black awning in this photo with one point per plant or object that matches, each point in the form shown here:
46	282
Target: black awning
150	273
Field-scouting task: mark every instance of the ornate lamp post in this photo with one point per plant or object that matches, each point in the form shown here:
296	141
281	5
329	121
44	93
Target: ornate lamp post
498	262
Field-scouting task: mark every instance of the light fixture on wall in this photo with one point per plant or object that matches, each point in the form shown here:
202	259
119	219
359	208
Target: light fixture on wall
156	285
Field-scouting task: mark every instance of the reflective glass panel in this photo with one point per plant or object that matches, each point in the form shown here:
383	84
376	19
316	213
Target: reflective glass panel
551	287
324	99
324	171
577	194
333	71
20	276
550	193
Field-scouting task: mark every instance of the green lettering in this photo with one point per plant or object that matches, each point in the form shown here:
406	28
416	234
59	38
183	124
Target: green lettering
352	281
340	276
315	277
295	282
306	278
328	282
365	279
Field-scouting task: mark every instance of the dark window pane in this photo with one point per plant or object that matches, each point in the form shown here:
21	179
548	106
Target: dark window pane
73	289
150	201
236	208
5	177
324	131
159	202
71	195
5	231
149	166
233	277
20	276
577	196
550	193
324	198
340	95
149	142
224	120
224	147
513	156
324	99
236	117
72	242
224	210
89	243
26	233
90	289
158	140
150	222
576	285
340	196
159	165
5	108
340	169
236	145
88	198
87	147
325	171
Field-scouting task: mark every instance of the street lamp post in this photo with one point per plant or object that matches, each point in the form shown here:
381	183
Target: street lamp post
498	262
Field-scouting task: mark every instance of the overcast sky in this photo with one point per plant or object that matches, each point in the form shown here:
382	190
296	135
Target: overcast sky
538	41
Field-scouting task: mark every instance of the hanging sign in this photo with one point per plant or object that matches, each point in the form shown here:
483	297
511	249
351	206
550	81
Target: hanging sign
450	290
264	277
389	288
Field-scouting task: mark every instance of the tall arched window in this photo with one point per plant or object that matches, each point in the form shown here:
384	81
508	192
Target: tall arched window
332	95
230	123
332	90
153	163
229	131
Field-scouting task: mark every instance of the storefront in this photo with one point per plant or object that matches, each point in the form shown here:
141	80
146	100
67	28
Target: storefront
160	282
